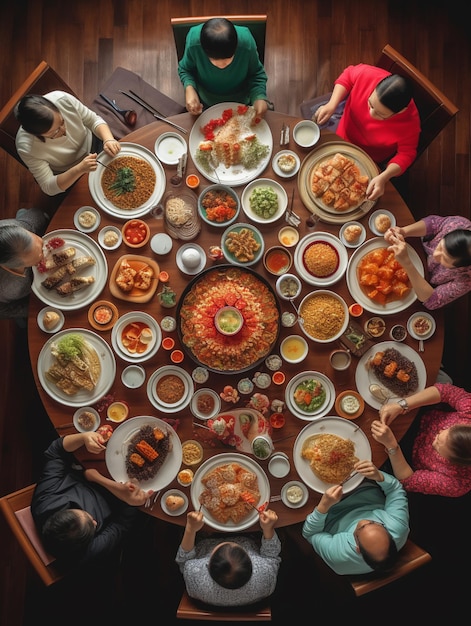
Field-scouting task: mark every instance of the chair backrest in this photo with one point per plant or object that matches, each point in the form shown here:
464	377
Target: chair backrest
195	610
41	81
16	510
435	109
410	558
257	24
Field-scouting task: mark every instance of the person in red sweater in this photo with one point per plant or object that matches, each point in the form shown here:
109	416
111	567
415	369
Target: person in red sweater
380	117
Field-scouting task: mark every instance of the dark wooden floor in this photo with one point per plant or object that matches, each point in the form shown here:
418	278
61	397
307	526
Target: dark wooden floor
308	43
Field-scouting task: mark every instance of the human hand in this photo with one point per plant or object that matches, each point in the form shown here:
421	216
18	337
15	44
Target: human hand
389	411
260	107
194	521
383	434
89	163
323	114
375	188
268	519
331	496
111	147
134	495
193	104
369	470
398	246
93	442
394	231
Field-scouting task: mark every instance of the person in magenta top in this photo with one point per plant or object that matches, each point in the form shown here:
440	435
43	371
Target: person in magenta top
447	243
380	117
441	454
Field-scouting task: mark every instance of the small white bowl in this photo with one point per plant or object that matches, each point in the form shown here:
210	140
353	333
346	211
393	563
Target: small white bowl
358	241
102	237
276	166
294	348
161	243
86	409
89	213
288	286
288	236
300	488
169	147
306	134
133	376
279	465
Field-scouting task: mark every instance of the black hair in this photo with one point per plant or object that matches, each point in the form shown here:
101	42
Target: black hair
458	245
36	114
384	565
14	242
459	444
394	92
219	38
67	535
230	566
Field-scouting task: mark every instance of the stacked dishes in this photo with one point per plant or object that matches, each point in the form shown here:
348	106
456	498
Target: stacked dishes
321	259
170	389
136	337
312	386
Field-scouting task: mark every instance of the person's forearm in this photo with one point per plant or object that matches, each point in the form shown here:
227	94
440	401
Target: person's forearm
426	397
422	288
188	541
73	442
400	466
417	229
68	178
103	132
391	171
338	94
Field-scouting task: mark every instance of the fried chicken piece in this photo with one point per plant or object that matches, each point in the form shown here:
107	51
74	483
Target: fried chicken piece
125	276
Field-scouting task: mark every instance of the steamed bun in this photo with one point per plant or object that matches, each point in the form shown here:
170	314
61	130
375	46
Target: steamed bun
173	503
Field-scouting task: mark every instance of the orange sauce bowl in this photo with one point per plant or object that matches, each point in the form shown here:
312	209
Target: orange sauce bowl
277	260
192	181
177	356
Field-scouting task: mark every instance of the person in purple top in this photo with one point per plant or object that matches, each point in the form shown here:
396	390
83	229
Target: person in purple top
441	453
447	244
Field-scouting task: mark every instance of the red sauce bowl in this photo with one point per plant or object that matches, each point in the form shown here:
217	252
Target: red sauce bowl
136	233
277	260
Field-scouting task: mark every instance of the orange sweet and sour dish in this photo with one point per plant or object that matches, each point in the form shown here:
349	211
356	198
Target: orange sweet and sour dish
381	277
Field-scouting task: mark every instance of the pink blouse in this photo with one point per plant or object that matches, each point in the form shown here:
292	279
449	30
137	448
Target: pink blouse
433	474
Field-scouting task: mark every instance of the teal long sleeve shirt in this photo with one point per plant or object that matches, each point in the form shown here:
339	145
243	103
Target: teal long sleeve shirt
331	533
243	81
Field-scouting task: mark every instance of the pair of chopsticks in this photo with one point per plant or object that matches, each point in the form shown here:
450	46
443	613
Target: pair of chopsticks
284	136
291	216
351	475
133	96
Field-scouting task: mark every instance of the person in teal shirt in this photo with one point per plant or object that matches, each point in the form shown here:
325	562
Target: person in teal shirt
221	64
363	531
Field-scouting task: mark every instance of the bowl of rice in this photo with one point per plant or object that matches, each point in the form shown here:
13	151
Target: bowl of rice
323	316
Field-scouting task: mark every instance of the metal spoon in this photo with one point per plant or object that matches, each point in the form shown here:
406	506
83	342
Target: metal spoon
130	116
300	319
379	393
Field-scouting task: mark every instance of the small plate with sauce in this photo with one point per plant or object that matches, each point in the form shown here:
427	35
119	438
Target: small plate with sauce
102	315
349	404
205	403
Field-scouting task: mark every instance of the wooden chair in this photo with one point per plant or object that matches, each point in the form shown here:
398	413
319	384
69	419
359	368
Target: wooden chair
42	79
435	109
17	512
410	558
195	610
257	24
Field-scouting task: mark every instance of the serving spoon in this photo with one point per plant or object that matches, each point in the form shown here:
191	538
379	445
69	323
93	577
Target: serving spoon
130	116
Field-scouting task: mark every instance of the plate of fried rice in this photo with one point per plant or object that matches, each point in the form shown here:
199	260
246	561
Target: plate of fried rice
139	175
323	315
321	259
329	448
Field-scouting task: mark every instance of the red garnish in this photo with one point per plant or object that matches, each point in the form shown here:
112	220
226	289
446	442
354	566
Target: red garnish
242	108
54	243
41	267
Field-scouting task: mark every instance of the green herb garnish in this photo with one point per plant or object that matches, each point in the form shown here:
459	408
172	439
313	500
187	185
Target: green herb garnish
125	181
70	346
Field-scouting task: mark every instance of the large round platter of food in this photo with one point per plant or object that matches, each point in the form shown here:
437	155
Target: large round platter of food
323	315
377	281
134	278
309	395
229	486
76	367
199	327
333	179
389	370
136	336
73	271
131	184
325	452
264	201
321	259
145	449
229	144
170	389
242	244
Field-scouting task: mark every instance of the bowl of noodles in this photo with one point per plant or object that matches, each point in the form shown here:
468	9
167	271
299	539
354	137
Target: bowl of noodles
323	316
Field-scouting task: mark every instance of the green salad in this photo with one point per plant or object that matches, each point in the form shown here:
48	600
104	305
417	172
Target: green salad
264	202
309	395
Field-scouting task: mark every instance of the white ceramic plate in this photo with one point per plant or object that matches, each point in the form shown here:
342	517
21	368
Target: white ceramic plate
320	237
410	325
88	409
133	150
276	168
357	293
235	174
194	403
257	236
333	426
86	229
191	270
84	246
223	459
117	446
59	324
264	183
101	237
294	505
152	346
174	492
169	147
82	397
358	241
374	215
320	292
319	412
365	377
183	402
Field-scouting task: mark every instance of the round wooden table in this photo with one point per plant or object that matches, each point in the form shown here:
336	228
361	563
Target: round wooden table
317	359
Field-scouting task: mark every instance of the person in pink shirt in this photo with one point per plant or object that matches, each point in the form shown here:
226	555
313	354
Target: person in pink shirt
441	453
380	117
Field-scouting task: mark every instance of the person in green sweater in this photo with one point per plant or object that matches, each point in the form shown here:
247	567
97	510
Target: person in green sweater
221	64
